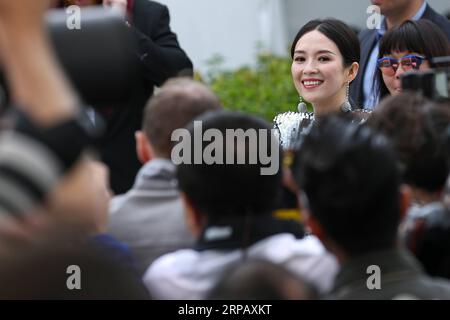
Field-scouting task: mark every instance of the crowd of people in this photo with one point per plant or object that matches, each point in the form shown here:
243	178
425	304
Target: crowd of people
365	172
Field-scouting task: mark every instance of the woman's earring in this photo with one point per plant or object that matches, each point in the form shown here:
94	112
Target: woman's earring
346	107
302	106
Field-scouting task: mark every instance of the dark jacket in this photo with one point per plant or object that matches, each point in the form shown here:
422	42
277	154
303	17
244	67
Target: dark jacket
160	58
400	274
369	38
427	235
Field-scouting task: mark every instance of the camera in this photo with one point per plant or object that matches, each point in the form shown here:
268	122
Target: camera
100	58
433	84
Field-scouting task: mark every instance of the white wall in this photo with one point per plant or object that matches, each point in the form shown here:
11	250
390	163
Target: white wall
231	28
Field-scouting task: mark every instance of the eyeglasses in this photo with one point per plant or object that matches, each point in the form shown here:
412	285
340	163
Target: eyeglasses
389	65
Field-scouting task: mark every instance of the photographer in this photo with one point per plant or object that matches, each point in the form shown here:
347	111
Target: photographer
229	210
46	181
394	12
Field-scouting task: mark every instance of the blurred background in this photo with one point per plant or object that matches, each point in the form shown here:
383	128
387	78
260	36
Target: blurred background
240	48
237	29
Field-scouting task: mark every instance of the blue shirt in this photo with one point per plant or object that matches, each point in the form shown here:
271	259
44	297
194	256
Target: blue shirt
370	97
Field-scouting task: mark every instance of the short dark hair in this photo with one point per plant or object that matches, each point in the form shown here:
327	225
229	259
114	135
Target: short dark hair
262	280
177	102
417	128
421	36
220	190
349	176
338	32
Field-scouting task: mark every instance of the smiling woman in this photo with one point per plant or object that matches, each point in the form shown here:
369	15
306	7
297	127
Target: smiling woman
409	46
325	60
325	57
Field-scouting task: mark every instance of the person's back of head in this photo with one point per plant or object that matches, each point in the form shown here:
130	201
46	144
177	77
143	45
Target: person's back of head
417	129
55	269
173	106
350	186
261	280
238	172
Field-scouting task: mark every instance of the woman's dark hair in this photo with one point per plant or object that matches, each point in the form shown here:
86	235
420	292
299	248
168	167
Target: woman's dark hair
236	189
351	184
421	36
338	32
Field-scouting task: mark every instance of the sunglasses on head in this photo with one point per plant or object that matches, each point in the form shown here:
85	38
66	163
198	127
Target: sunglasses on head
390	65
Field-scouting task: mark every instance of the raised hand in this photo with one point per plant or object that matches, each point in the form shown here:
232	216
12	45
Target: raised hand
38	85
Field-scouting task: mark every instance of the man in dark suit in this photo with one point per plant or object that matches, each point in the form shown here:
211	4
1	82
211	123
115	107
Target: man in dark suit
394	13
160	58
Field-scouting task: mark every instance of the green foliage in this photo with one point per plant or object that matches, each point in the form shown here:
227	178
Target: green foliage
264	90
